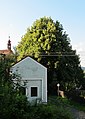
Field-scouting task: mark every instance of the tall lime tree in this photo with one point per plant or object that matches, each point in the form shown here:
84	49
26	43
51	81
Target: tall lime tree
47	42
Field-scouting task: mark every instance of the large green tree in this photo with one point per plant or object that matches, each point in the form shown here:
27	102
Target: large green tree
47	42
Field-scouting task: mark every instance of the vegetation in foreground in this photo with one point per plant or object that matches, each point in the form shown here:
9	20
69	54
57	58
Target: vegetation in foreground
14	105
22	110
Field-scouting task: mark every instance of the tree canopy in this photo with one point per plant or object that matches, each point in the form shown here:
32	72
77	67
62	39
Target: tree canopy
47	42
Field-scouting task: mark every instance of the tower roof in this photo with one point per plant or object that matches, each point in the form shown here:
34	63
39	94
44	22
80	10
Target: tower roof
9	44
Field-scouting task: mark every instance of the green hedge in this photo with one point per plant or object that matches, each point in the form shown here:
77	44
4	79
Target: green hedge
50	112
20	110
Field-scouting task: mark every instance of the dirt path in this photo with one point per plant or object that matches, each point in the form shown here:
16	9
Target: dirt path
78	114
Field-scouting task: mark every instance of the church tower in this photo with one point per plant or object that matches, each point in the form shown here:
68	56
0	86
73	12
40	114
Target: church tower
9	44
7	51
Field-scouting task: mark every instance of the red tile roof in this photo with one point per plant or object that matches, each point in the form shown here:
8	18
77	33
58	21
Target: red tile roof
6	52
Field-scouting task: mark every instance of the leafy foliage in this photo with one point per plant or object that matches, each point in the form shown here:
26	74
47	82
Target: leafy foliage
12	103
50	112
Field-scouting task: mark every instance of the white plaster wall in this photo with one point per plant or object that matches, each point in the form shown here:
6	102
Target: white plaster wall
29	70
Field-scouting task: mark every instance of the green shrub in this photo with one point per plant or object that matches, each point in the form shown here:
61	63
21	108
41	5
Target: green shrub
19	108
77	96
50	112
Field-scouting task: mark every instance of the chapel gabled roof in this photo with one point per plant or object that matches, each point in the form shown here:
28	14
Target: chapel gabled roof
29	58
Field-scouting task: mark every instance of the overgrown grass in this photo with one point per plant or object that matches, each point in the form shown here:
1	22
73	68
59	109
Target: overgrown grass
19	108
50	111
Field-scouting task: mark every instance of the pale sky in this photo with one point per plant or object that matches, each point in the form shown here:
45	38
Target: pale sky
17	15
